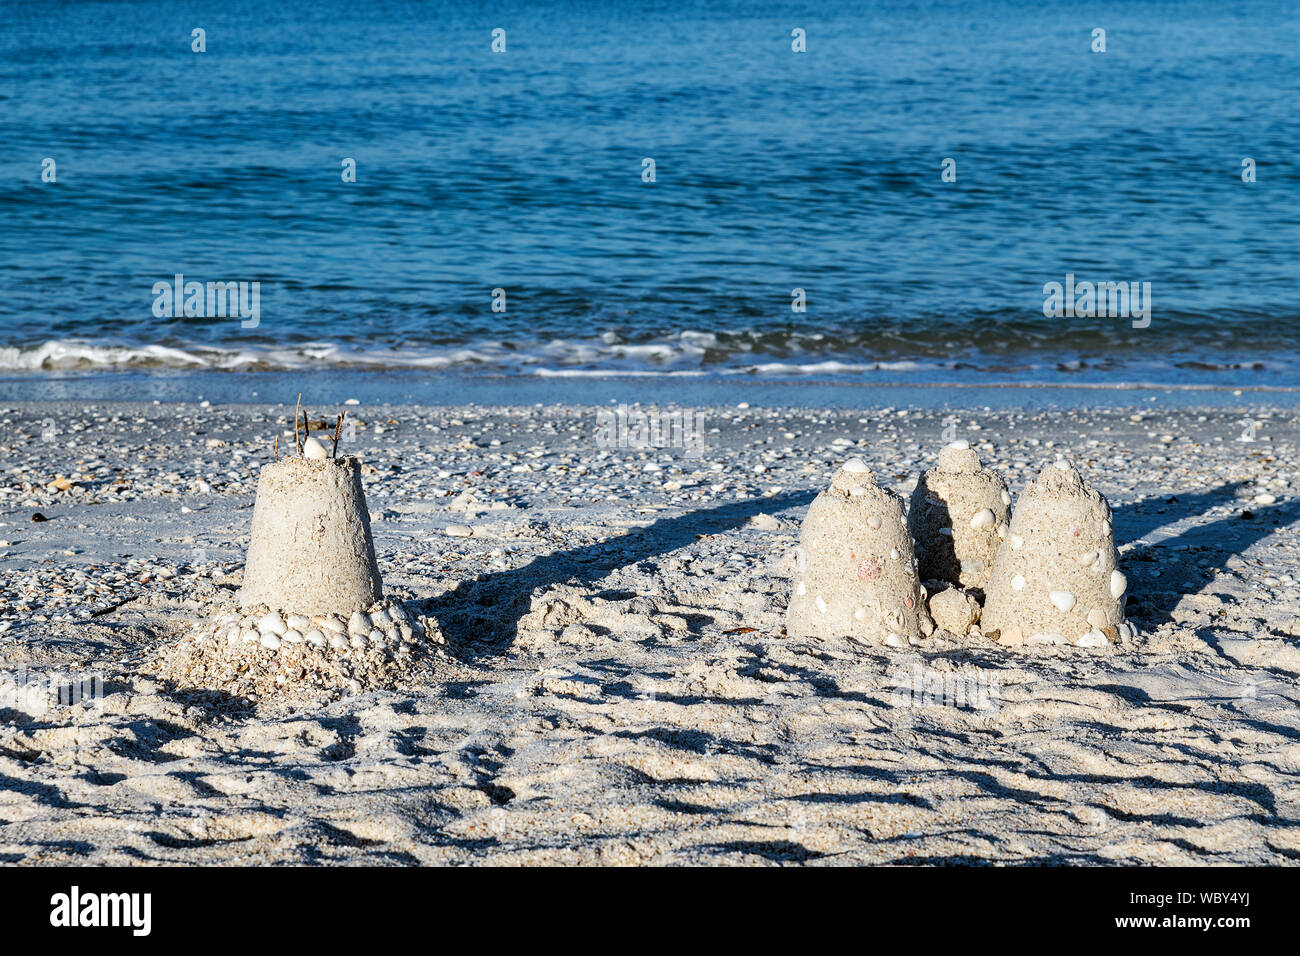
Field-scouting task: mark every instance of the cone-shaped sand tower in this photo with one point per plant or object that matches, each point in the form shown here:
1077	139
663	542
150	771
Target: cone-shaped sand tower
1055	580
310	549
310	615
855	572
959	516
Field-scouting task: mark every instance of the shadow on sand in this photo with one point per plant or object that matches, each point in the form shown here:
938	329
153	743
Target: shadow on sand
480	618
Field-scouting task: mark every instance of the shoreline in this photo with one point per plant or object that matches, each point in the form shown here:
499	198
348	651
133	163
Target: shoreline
334	387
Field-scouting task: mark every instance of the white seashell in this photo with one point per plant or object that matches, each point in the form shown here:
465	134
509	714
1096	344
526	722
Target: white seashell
1089	558
270	641
358	641
391	636
1016	542
1002	531
1092	639
961	444
982	519
894	640
397	613
893	554
1063	600
249	636
272	623
338	642
293	636
873	522
1097	618
315	637
329	623
358	623
1006	498
298	623
1018	582
376	636
1062	464
860	614
801	589
821	604
311	448
856	466
1118	584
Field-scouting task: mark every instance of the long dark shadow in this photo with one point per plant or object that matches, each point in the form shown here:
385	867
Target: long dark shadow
481	618
1140	518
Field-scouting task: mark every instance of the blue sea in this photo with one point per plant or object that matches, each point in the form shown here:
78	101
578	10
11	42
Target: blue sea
526	171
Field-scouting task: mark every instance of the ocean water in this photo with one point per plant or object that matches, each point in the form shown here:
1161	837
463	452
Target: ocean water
523	171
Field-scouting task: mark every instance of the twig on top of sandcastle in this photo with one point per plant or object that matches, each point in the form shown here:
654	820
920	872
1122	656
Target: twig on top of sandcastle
338	429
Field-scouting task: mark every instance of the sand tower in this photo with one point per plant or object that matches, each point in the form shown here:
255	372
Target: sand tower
856	573
310	549
1055	579
310	615
959	515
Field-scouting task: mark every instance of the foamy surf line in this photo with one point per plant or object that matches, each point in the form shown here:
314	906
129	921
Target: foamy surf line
688	355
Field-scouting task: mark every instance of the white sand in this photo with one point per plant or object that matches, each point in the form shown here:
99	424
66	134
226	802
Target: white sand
614	685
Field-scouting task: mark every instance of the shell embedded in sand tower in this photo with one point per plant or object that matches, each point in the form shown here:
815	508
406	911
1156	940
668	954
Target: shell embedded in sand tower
310	550
855	572
959	515
1055	580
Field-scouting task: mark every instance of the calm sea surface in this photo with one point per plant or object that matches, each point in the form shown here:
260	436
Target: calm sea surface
773	171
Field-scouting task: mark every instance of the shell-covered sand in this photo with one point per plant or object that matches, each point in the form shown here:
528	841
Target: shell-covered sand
611	683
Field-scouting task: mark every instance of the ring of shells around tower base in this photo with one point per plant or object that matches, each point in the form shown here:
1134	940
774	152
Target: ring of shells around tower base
385	628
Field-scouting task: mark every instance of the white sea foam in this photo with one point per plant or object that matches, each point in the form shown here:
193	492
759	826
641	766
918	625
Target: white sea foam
686	353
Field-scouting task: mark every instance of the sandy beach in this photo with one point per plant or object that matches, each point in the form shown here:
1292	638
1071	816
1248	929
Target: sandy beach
610	681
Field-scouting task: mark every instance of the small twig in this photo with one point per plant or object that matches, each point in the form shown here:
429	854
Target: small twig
338	429
296	440
277	448
110	608
306	427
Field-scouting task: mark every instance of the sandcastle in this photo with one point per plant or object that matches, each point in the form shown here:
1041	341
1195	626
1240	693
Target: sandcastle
310	547
959	515
856	572
311	611
1055	579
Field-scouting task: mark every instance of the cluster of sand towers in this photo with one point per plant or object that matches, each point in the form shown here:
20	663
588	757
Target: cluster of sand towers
1044	575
